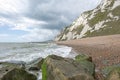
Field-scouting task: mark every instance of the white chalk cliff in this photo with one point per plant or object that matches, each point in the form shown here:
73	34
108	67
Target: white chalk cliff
103	20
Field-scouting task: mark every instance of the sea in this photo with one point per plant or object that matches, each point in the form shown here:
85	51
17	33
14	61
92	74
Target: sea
31	51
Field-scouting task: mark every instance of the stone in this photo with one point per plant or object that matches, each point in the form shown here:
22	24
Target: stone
59	68
6	67
36	65
114	74
18	74
106	70
86	62
40	62
81	57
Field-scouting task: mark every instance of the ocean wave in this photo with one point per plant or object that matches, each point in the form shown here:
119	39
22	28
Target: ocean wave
35	51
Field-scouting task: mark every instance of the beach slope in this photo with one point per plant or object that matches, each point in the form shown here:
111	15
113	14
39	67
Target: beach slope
104	50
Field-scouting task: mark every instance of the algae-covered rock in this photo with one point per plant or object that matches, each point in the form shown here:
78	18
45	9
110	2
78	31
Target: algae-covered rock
89	66
44	71
86	62
18	74
82	57
114	74
106	70
58	68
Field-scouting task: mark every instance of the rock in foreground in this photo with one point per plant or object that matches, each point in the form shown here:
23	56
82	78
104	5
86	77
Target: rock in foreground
86	62
18	74
58	68
114	74
6	67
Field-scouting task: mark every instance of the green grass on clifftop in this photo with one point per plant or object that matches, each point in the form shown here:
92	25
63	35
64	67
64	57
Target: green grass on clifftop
98	17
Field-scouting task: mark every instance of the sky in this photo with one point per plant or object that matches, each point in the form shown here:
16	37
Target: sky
38	20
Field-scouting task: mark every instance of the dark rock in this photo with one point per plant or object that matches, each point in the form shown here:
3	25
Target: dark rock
18	74
40	62
34	69
6	70
36	65
58	68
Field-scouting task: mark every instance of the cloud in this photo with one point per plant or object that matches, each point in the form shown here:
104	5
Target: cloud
13	6
41	19
39	35
27	23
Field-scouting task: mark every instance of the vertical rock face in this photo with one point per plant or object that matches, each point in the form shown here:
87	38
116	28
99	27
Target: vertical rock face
103	20
58	68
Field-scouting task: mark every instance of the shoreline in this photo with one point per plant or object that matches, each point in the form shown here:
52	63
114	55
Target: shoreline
104	50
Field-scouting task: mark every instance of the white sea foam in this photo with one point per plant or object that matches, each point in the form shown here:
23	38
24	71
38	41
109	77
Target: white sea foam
39	75
29	53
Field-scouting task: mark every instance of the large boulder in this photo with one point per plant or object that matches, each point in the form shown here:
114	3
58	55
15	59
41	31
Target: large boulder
106	70
58	68
86	62
114	74
19	74
6	67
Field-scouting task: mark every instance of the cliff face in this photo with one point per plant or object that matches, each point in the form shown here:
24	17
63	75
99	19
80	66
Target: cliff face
103	20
